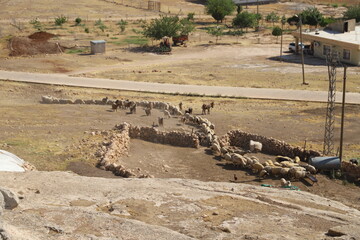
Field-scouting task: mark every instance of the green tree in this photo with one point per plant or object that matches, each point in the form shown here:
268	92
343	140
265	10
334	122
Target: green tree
167	26
219	9
216	32
294	20
122	25
245	20
60	20
311	16
277	31
327	21
272	17
353	12
186	27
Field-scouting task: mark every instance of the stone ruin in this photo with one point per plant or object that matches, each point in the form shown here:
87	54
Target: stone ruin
204	136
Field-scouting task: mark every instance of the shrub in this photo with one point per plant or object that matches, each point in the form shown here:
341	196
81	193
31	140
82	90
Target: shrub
36	24
78	21
59	21
353	12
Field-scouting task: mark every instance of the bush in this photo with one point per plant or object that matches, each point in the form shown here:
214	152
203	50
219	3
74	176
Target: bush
218	9
78	21
87	30
190	16
59	21
245	20
122	24
353	12
311	16
36	24
272	17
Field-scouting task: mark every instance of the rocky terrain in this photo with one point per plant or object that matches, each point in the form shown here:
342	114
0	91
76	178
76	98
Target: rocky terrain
62	205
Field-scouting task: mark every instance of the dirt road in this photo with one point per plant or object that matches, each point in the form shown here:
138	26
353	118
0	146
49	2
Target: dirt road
257	93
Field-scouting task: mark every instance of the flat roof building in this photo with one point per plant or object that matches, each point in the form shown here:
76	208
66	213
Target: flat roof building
342	37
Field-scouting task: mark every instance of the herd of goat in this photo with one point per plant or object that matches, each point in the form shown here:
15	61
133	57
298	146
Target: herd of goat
131	106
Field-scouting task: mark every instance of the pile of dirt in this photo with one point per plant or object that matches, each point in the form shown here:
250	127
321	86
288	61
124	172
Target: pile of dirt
36	43
41	36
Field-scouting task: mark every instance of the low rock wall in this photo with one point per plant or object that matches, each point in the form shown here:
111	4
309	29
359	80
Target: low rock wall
269	145
351	170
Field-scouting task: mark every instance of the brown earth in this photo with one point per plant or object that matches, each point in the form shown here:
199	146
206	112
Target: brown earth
58	137
34	44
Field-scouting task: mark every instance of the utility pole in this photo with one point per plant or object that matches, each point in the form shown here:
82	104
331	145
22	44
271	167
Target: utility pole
342	115
332	60
302	52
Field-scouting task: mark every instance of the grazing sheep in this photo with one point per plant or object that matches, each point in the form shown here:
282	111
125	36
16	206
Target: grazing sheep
297	159
167	114
119	103
161	121
297	172
104	100
310	168
132	108
284	171
114	107
285	183
206	108
257	167
255	146
189	111
183	120
282	158
263	173
148	111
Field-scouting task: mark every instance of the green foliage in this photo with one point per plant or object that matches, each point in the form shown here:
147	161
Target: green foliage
335	5
311	16
246	20
186	27
272	17
190	16
99	22
167	26
283	20
78	21
353	12
75	51
294	20
36	24
219	9
122	24
327	21
59	21
100	25
86	30
277	31
216	32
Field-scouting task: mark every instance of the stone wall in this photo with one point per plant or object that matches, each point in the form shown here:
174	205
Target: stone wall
351	170
174	138
270	146
111	152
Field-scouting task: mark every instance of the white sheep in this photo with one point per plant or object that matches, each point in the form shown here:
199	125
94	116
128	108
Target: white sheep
255	146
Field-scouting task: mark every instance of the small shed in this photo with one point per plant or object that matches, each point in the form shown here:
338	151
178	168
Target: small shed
97	46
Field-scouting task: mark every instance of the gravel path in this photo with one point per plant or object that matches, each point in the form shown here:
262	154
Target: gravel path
258	93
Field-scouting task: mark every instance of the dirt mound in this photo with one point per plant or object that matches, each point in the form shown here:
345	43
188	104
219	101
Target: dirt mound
36	43
41	36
